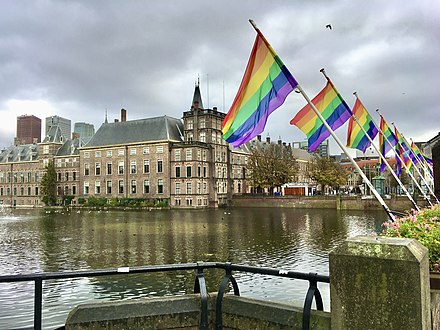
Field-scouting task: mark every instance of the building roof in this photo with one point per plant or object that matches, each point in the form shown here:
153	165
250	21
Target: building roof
70	147
54	135
21	153
197	98
163	128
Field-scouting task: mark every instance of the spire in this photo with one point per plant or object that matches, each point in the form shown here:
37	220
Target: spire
197	99
106	121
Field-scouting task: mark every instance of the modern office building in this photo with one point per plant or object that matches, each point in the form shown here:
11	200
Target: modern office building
28	130
64	124
84	130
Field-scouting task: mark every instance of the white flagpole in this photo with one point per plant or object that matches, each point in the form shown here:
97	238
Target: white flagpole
417	169
422	160
382	157
341	145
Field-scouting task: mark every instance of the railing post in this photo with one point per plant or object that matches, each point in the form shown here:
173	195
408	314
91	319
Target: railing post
312	292
200	287
221	291
38	303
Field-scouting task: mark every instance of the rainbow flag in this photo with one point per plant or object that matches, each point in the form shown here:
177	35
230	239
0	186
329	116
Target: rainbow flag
356	138
385	146
332	107
406	150
398	158
264	87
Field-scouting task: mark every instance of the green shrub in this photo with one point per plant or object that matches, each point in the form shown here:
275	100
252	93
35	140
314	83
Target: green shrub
424	226
96	201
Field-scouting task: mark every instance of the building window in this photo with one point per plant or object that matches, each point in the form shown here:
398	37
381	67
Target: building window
189	202
199	186
133	186
121	167
121	186
66	176
97	187
97	168
177	155
74	176
46	150
199	171
188	154
177	171
159	166
133	167
58	162
86	154
146	150
97	154
73	190
86	188
86	169
189	188
132	152
190	124
159	149
120	152
160	186
59	177
109	153
188	171
204	171
146	166
109	168
177	188
146	186
28	191
204	187
109	187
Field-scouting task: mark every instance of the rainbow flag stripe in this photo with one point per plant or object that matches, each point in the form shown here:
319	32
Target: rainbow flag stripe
385	147
356	138
264	87
332	107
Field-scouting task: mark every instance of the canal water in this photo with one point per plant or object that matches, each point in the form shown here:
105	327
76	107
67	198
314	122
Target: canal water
291	239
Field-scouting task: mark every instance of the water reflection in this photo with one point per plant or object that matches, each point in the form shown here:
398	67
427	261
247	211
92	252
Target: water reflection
291	239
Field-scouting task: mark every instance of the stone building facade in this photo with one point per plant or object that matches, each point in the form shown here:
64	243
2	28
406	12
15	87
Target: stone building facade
184	162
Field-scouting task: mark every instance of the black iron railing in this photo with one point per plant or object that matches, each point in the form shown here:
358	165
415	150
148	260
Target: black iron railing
199	285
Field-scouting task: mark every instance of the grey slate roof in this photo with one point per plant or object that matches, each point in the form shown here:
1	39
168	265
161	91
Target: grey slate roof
55	135
141	130
21	153
70	147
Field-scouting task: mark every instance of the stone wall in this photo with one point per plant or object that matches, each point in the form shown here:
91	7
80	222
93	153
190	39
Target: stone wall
184	313
324	202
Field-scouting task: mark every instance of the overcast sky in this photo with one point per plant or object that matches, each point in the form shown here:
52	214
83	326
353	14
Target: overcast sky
77	59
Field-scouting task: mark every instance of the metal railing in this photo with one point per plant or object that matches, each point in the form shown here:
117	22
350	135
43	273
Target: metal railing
199	285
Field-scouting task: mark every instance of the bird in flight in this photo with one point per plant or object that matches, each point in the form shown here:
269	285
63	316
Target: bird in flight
328	26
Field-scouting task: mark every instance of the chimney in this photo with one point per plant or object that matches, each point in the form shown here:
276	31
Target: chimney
259	138
268	139
279	140
123	115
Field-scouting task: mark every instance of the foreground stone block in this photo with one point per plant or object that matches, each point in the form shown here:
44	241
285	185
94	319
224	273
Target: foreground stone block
379	283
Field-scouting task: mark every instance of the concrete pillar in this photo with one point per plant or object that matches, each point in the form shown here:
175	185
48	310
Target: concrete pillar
379	283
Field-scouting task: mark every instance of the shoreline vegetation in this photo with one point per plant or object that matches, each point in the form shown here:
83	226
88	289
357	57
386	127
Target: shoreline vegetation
424	226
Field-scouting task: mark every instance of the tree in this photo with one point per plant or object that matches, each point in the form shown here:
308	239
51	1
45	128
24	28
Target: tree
271	165
49	185
326	172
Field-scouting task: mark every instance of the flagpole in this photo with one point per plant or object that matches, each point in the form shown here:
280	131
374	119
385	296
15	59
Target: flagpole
341	145
415	166
404	165
382	156
420	160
